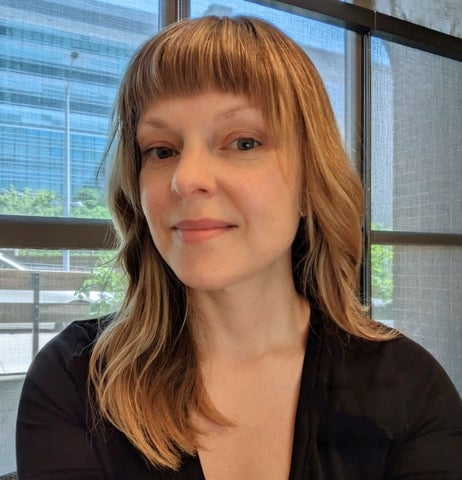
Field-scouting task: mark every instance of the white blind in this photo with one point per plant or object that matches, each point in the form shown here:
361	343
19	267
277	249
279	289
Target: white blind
443	15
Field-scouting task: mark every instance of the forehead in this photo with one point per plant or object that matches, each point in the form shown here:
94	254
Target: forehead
215	106
216	99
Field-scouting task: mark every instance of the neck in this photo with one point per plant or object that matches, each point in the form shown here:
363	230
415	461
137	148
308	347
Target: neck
247	323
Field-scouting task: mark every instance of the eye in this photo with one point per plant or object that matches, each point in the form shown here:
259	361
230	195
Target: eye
245	143
160	153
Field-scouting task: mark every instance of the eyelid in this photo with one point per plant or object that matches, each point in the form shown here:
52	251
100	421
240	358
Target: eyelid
245	131
252	138
146	152
152	140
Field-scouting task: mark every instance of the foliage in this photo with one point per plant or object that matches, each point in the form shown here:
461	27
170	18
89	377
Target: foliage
30	202
382	279
86	203
89	203
382	271
109	281
89	197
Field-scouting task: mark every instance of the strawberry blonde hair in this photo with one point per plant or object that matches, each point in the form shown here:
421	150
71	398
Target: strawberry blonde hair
143	372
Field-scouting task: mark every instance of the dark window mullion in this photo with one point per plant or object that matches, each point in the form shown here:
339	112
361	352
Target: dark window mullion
422	38
363	20
365	278
19	231
416	238
170	11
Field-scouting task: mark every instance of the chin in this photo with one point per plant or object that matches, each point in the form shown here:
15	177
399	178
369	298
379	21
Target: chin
206	282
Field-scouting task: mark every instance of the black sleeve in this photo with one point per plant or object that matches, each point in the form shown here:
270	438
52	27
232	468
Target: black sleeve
431	446
52	436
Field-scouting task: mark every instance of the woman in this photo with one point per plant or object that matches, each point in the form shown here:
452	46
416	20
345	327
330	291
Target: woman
241	350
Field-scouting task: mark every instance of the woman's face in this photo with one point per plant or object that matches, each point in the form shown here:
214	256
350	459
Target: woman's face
219	208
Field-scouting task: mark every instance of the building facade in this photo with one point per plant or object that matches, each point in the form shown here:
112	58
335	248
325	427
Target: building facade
61	64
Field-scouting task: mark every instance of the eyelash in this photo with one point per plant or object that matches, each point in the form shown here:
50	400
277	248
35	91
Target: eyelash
157	151
149	152
255	143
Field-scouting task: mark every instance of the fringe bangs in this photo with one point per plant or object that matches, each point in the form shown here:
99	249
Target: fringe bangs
221	54
205	58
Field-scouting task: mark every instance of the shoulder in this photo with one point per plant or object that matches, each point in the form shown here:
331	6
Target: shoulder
74	341
397	382
400	357
61	365
391	400
54	414
399	362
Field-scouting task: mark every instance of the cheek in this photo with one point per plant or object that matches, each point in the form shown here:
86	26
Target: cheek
153	202
277	191
271	202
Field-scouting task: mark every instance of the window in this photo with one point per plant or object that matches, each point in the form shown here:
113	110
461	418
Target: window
416	193
397	105
61	62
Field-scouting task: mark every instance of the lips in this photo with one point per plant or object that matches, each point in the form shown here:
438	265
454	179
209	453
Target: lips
201	230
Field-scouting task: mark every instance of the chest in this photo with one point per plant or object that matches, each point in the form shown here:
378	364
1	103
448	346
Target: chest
260	405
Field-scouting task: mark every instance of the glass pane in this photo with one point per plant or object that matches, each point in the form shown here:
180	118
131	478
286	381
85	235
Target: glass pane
326	45
37	300
10	390
61	64
416	140
382	283
417	290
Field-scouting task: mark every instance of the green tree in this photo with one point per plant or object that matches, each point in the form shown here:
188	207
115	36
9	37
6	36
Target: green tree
382	271
88	196
382	279
108	281
30	202
88	202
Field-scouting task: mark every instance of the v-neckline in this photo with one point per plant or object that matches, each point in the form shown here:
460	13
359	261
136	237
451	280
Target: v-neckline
192	468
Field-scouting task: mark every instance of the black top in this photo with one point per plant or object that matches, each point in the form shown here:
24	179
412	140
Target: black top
366	410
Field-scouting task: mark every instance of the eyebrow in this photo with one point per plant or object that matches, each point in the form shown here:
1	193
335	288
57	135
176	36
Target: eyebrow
152	122
231	111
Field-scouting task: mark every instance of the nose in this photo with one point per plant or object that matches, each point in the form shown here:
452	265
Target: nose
194	173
